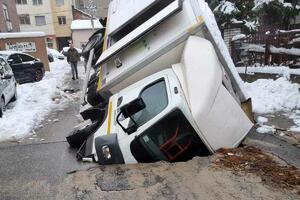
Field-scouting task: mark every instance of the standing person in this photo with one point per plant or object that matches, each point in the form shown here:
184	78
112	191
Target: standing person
73	58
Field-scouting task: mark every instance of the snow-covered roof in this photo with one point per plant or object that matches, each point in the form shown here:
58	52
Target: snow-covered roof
21	35
82	24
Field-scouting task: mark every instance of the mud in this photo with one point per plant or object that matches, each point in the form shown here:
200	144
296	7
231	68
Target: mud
271	170
199	178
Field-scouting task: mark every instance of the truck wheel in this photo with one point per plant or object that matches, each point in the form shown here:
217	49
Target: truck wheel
96	113
38	75
77	137
93	97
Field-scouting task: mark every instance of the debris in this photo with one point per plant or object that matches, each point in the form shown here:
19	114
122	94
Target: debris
249	159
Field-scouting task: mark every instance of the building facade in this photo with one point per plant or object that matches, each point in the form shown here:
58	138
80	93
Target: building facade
36	15
62	17
101	7
9	21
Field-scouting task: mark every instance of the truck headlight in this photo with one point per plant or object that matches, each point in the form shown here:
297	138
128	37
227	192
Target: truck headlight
106	152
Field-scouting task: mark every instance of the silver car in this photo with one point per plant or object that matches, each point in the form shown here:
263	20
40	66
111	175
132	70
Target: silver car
8	85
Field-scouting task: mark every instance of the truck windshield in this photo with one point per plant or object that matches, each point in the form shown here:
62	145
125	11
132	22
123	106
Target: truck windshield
155	98
172	139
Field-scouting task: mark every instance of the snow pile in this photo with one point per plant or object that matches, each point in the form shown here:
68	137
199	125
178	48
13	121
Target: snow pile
35	101
263	128
226	7
273	95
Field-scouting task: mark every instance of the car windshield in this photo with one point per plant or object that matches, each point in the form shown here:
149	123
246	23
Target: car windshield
4	56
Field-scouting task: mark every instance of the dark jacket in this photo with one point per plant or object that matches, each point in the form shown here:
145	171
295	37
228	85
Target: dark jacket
73	55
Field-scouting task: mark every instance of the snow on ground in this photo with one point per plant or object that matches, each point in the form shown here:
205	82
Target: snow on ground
270	96
35	101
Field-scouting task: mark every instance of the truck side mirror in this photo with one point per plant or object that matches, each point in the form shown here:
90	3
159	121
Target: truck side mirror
127	111
133	107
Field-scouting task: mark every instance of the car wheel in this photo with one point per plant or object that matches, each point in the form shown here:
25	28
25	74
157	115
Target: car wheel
15	95
2	104
38	75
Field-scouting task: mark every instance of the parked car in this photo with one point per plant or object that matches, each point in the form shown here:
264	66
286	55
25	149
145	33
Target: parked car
25	67
8	85
54	54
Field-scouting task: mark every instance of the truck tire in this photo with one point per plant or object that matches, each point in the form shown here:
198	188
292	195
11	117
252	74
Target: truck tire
77	137
95	41
93	97
96	113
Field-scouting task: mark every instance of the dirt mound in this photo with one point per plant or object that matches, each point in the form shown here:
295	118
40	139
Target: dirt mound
249	159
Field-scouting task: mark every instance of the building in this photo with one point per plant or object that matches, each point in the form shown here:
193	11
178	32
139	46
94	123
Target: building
32	43
9	21
36	15
82	30
62	17
101	7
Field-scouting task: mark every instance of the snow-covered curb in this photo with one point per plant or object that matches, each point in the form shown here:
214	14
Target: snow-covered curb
35	101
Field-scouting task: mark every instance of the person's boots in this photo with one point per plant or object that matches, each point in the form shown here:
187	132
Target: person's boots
73	78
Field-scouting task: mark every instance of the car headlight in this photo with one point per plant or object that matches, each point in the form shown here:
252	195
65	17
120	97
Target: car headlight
106	152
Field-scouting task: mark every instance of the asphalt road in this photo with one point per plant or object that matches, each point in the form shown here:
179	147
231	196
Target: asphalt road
33	168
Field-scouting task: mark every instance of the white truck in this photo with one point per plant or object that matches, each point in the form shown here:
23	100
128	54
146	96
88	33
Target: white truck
174	90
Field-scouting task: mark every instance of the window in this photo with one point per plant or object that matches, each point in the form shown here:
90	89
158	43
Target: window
16	59
6	16
5	12
60	2
26	58
156	100
40	20
37	2
24	19
172	139
62	20
21	1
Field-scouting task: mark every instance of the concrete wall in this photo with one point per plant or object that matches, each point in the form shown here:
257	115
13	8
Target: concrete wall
12	12
40	44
